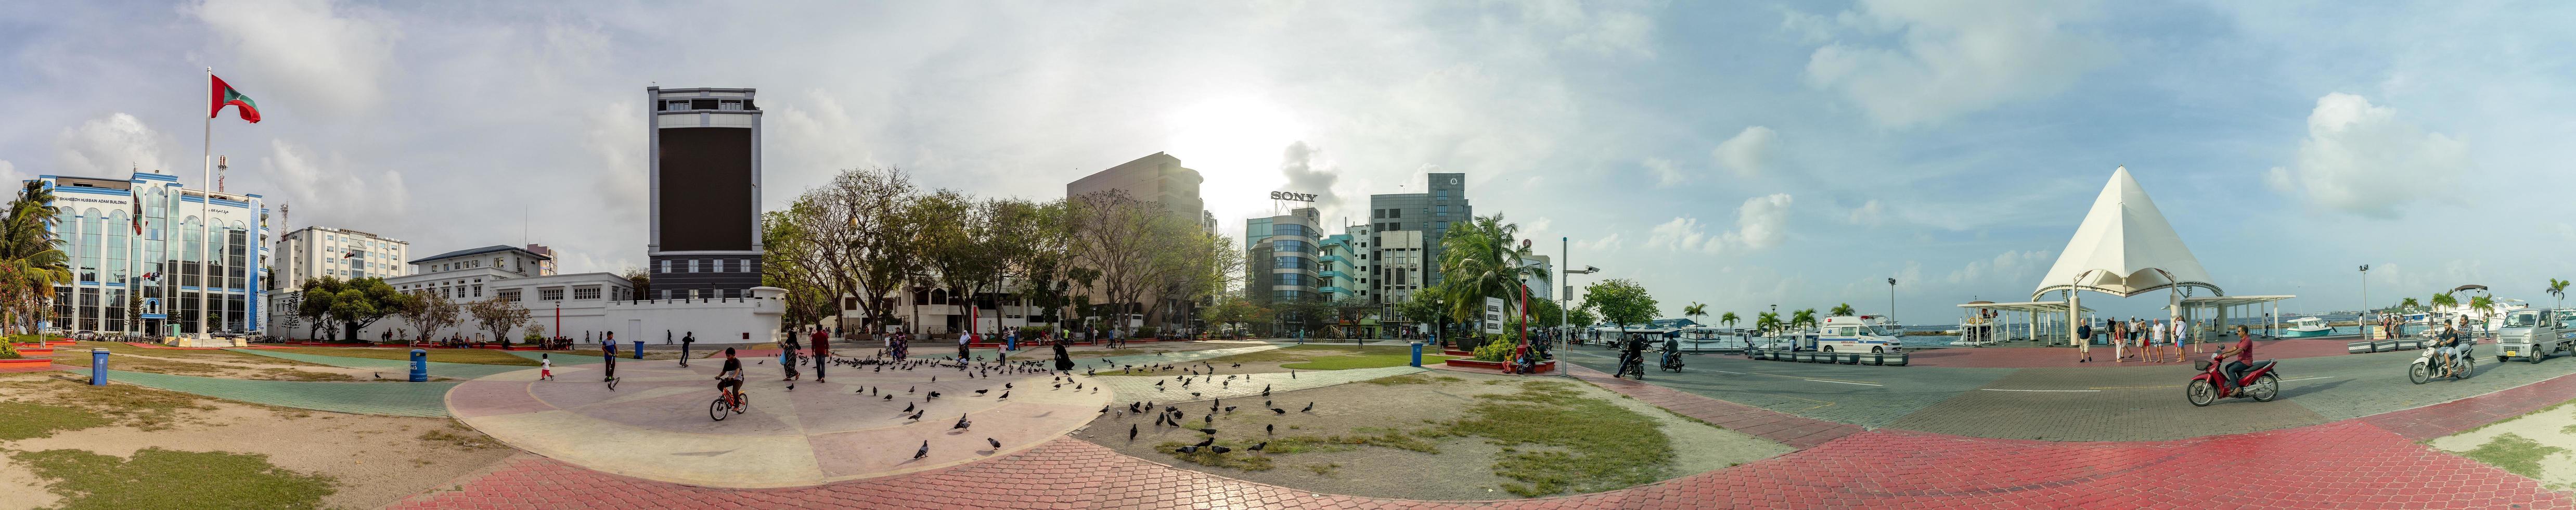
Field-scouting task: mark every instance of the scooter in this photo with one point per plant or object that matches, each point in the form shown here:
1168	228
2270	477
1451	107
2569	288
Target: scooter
1672	361
2465	365
2258	382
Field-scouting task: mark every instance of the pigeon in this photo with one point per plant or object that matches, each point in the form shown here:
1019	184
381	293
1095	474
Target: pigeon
1210	418
1258	447
980	392
1220	450
1208	431
1131	407
1104	409
916	415
1159	419
934	378
934	394
1209	441
1265	390
924	451
765	362
1158	383
1278	410
907	408
1310	407
909	389
1271	429
997	445
962	423
1187	449
1131	431
889	397
1229	409
1006	386
1005	396
1237	365
1194	394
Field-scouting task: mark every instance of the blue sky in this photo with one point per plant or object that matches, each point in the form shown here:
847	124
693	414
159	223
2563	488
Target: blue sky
1738	154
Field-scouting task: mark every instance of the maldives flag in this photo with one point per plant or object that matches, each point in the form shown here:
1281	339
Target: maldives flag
224	95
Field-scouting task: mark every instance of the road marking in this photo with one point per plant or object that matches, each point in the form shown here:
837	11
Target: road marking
1726	372
2043	391
1820	379
1845	382
2178	385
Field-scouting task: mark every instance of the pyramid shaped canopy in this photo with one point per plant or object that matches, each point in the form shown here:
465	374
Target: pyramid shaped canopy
2124	248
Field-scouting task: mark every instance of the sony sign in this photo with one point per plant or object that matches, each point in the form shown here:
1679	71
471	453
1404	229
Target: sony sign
1283	195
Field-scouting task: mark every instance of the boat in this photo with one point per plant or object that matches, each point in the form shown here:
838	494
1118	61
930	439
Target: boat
2307	327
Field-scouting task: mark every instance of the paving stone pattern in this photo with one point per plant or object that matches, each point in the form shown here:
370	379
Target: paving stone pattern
427	399
392	367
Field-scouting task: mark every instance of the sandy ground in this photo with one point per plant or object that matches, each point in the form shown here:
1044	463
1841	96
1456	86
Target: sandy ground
2555	427
375	459
1264	362
1461	471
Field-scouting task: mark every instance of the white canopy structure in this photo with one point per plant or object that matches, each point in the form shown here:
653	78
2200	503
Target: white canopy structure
2124	248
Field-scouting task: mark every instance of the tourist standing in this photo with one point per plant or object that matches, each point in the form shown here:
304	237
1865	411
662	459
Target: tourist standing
2084	342
2181	328
685	340
2155	342
787	357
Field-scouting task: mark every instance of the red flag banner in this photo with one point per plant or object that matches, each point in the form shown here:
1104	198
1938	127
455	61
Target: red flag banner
224	95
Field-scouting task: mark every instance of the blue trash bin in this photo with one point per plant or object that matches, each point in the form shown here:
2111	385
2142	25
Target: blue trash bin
639	349
1417	354
419	365
98	366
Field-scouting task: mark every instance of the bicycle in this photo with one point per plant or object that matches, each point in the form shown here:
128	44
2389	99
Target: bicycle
733	401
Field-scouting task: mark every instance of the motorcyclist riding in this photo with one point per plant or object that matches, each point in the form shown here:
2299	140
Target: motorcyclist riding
1632	351
2449	341
2244	353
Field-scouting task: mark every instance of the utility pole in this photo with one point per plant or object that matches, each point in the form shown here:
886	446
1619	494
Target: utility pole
2358	320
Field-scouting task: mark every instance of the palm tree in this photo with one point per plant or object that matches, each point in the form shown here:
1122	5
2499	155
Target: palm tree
1695	310
1729	319
1844	310
31	257
1768	322
2409	304
1480	259
2558	289
1805	318
2444	300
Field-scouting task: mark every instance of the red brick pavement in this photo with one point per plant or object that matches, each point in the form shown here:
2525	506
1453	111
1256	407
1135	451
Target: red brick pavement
2456	416
2346	464
1789	429
2064	357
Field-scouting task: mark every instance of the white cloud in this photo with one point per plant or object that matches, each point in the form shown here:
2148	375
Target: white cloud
1307	172
9	177
1748	152
345	196
2006	265
1954	57
308	51
2362	159
1617	33
1760	223
1871	214
110	146
1664	172
1600	244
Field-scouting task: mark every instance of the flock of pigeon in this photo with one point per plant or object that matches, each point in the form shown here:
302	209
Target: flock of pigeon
975	368
1172	416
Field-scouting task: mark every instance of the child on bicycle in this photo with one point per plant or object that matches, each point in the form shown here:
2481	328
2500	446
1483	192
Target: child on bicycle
729	379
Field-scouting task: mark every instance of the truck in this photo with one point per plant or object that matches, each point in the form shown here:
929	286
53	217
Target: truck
2534	335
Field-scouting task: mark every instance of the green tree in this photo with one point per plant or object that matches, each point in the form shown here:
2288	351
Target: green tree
427	313
787	249
2444	300
1482	258
1695	311
31	260
1621	301
2558	289
2409	304
956	235
1803	318
355	303
1425	308
498	317
1844	310
1729	319
1769	323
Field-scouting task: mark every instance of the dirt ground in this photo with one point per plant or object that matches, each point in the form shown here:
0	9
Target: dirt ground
376	460
2545	450
1264	362
1371	412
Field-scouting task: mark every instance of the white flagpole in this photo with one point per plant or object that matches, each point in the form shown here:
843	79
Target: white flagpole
208	182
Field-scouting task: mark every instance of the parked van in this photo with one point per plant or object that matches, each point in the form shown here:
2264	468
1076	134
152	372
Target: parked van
1856	334
2533	335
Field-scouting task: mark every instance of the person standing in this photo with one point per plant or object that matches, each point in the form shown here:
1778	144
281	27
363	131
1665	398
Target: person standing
2084	342
608	353
545	367
822	353
2181	328
962	340
787	357
2119	340
685	340
1063	360
2155	343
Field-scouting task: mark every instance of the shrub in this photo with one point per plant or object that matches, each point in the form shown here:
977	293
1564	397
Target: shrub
1494	351
1147	332
8	351
1034	331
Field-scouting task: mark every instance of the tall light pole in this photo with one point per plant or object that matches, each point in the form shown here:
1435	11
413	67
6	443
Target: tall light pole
1891	300
1565	300
2357	321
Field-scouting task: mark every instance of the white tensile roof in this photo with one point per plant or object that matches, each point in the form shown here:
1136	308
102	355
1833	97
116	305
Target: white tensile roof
2124	247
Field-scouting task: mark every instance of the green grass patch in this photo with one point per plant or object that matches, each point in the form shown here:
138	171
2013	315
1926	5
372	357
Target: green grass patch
2570	429
27	420
158	478
1583	444
1365	361
1296	353
2513	453
1412	378
1325	468
475	356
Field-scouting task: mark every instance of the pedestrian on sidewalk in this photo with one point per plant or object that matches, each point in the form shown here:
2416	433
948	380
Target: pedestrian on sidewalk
545	367
608	352
2181	328
822	352
685	340
2084	342
787	357
2155	343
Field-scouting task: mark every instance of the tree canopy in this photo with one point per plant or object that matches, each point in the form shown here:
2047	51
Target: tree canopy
1621	301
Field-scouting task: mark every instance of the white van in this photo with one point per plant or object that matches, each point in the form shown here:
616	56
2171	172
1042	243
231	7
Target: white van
1855	334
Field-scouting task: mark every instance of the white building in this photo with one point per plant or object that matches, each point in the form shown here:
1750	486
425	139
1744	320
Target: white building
317	251
138	263
582	306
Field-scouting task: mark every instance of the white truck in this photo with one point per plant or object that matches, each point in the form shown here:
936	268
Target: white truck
2533	334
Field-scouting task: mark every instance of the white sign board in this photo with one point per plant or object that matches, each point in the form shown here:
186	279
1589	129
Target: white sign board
1493	316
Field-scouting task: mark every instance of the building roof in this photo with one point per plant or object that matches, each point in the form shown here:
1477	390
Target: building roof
479	251
2124	248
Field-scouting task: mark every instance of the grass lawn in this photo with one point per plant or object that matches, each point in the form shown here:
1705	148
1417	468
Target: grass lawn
158	478
120	349
25	420
1588	444
133	364
476	356
2513	453
144	409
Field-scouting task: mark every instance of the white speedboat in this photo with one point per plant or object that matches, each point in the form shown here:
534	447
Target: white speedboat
2307	327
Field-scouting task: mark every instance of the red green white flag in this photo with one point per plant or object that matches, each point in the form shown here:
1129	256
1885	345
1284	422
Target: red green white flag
224	95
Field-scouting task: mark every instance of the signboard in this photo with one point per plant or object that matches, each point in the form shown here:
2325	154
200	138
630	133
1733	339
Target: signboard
1301	197
1493	316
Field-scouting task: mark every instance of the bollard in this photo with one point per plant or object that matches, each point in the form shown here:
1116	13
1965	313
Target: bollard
419	365
98	366
1417	354
639	349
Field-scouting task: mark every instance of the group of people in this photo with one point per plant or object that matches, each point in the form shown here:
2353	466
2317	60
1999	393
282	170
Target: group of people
2150	339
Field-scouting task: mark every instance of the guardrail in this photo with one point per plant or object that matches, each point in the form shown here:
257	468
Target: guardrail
1890	359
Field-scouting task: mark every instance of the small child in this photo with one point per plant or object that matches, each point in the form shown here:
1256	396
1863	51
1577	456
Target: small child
545	367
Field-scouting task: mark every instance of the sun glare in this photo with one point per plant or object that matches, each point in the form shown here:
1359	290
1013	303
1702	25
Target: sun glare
1235	143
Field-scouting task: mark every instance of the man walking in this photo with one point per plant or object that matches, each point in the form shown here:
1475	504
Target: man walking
822	352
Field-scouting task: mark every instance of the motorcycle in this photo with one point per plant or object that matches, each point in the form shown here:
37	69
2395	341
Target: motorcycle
1672	361
2258	382
2422	370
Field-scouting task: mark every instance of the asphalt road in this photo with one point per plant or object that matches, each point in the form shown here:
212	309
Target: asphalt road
2124	403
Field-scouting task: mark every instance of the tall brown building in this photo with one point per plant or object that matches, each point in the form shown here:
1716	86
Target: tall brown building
705	157
1158	177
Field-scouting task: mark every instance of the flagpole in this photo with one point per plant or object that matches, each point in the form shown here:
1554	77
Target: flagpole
207	181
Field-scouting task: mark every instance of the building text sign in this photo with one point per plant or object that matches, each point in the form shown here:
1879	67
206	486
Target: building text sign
1301	197
1493	316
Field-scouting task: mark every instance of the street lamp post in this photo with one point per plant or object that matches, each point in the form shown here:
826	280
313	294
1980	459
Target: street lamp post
1891	300
2357	320
1565	301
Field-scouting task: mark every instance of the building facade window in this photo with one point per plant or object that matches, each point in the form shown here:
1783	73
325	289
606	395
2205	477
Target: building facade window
478	290
585	293
554	294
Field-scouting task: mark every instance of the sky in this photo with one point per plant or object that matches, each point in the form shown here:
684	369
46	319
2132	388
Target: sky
1738	154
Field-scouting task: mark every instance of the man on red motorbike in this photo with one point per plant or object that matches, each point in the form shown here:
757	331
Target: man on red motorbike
2244	353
